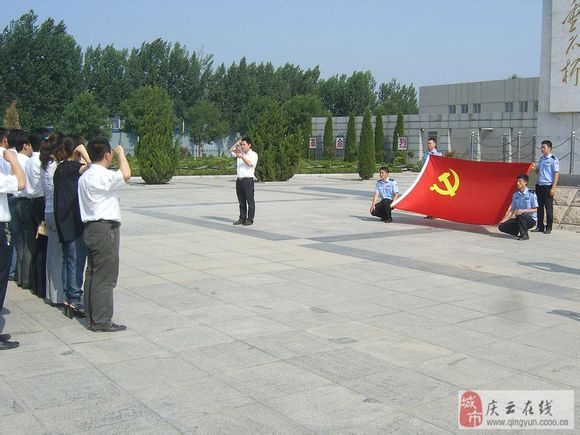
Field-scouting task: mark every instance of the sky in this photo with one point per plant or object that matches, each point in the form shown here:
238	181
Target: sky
424	42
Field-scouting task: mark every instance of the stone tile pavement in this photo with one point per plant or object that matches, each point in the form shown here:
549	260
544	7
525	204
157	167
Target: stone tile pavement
318	319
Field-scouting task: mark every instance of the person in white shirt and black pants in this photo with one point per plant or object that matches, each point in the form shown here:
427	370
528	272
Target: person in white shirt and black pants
101	215
8	184
247	160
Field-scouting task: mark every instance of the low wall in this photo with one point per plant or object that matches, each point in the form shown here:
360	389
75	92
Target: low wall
567	208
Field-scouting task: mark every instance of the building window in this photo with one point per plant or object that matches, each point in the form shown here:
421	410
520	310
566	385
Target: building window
535	105
464	108
523	106
452	109
509	107
477	108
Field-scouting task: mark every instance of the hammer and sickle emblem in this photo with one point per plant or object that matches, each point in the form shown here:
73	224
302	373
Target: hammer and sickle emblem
449	189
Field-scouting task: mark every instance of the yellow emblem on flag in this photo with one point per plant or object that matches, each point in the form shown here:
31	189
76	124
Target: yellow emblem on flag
449	189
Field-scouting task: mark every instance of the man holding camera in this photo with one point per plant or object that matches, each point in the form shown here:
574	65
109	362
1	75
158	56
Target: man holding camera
247	160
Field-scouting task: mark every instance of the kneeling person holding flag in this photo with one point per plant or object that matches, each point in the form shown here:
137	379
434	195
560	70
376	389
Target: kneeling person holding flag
386	192
521	216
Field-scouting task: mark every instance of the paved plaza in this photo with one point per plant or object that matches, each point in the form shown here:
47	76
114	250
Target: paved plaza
317	319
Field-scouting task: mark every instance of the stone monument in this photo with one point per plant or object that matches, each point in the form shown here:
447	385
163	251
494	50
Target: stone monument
559	89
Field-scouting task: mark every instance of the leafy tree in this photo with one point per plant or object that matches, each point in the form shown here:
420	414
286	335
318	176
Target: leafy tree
350	142
204	123
85	117
104	76
328	139
252	112
342	95
40	68
133	108
366	161
11	117
279	152
240	85
394	98
157	154
379	137
299	111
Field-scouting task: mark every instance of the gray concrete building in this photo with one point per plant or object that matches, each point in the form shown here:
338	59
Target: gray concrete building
492	120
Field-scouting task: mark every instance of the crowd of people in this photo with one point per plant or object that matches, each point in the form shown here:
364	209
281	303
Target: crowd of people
59	223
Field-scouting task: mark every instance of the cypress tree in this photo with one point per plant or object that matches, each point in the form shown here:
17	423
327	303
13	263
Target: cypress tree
366	160
379	137
399	131
328	139
278	151
350	143
157	154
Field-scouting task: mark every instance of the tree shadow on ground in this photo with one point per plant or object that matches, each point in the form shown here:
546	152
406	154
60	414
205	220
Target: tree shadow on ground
565	313
550	267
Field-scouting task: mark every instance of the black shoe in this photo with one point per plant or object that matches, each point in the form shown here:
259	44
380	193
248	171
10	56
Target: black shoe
428	217
240	222
537	230
524	237
5	337
548	232
388	220
248	222
6	345
73	310
112	328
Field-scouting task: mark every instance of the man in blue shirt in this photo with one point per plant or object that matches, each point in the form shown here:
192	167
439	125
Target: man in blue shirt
548	170
521	216
431	151
386	192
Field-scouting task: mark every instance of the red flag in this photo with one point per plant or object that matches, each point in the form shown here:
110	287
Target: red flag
463	190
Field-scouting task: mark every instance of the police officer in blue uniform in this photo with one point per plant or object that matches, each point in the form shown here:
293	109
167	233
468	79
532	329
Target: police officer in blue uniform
521	216
431	151
548	170
386	192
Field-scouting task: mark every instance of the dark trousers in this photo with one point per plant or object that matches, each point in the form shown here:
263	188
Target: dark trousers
38	264
545	201
102	242
26	242
383	209
518	225
73	266
12	200
245	192
5	260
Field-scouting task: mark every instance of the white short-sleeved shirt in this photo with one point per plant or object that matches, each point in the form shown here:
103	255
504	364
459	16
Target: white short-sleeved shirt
243	170
48	186
98	194
22	160
33	181
8	184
